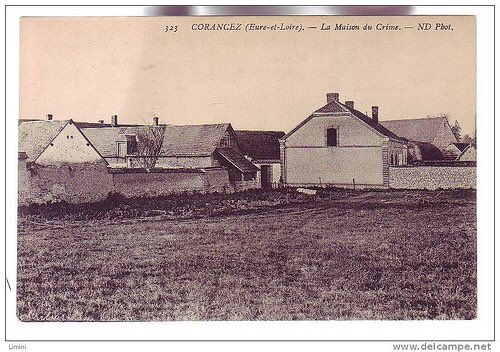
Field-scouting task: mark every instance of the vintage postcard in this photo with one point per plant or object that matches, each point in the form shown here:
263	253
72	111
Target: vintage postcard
239	168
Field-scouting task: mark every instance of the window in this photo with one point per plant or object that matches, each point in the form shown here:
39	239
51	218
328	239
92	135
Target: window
225	142
131	146
131	143
331	137
121	149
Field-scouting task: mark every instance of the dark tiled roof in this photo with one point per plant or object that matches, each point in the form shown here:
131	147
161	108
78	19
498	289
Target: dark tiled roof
260	144
336	106
192	140
377	126
35	136
237	160
189	140
422	129
82	124
461	146
429	151
104	139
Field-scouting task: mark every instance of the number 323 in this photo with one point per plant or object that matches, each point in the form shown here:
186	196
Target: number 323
171	29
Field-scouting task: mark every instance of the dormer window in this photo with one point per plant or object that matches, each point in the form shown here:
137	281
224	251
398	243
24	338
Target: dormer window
131	143
121	149
332	137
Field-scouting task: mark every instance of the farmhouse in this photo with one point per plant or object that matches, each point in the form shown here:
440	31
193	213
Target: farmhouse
338	145
186	147
262	148
428	137
57	162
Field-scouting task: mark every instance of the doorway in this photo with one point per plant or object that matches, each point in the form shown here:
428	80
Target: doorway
265	176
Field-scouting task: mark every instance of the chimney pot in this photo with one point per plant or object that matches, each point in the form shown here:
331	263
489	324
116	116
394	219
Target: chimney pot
49	117
114	120
155	121
332	97
375	113
350	103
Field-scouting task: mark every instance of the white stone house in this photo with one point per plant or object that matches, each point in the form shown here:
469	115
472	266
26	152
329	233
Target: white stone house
338	145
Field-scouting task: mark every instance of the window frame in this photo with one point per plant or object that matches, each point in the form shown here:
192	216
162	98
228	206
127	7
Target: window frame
337	134
118	149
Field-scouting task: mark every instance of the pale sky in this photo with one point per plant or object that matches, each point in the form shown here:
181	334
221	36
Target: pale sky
88	69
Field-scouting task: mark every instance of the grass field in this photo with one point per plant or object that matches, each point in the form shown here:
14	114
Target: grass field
261	255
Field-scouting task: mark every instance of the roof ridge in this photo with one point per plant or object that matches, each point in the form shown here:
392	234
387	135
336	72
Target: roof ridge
416	118
259	131
46	121
374	124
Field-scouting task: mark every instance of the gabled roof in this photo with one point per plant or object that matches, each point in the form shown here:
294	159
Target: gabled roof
35	136
80	124
377	126
83	124
260	144
192	140
237	160
337	106
20	121
188	140
104	138
421	129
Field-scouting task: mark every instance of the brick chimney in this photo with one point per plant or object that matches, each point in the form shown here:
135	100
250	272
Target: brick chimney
49	117
375	113
155	121
332	97
114	120
350	104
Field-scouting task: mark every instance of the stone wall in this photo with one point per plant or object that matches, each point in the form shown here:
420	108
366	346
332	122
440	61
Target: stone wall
432	177
245	185
217	180
83	183
134	182
76	183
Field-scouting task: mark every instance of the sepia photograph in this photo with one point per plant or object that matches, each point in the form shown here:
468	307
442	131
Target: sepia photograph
247	168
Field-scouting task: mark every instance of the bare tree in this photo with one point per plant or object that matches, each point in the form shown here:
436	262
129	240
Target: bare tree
149	143
457	130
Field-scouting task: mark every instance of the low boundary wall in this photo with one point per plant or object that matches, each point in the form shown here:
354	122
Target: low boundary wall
432	177
79	183
84	183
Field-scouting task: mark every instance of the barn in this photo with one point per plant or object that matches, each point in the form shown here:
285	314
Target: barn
262	148
182	147
55	142
428	137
